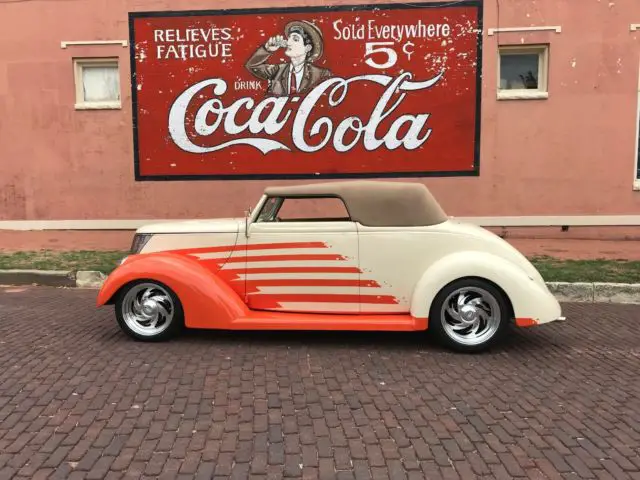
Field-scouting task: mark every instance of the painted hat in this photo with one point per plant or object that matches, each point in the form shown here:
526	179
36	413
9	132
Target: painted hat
314	33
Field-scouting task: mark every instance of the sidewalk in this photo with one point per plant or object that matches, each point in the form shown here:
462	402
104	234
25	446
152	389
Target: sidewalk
570	248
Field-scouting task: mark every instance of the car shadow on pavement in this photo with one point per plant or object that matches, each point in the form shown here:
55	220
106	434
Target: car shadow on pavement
515	341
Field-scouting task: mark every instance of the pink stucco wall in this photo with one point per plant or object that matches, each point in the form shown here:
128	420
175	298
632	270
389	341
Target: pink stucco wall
570	154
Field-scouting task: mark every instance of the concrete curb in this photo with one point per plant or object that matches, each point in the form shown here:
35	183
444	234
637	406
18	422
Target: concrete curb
89	279
625	293
585	292
53	278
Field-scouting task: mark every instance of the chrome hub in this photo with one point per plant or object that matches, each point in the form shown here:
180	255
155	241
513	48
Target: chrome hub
147	309
470	315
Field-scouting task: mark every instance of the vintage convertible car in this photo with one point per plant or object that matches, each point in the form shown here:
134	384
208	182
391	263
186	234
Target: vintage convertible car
388	260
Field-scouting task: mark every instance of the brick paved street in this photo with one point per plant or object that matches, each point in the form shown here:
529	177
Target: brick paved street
78	399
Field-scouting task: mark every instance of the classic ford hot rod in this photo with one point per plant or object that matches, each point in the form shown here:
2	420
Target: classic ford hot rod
389	260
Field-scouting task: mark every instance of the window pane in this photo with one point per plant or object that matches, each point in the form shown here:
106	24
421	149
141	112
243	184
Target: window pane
519	71
318	209
100	84
269	208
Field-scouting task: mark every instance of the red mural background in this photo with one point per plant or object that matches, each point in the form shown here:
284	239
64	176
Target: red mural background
352	128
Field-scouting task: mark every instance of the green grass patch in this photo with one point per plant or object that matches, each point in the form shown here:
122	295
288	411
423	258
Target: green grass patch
552	269
614	271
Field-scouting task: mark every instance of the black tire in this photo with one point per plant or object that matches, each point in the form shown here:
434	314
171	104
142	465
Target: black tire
125	312
441	323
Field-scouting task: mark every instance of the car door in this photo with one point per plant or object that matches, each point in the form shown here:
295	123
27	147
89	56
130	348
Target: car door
302	257
394	259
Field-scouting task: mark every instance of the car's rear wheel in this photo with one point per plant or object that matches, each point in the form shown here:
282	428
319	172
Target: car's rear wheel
149	310
469	315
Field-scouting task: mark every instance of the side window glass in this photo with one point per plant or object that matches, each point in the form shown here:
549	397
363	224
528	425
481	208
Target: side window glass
328	209
267	214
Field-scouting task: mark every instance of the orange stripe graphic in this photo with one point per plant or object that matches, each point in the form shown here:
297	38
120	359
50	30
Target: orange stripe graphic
312	282
232	276
258	246
275	301
284	258
239	271
253	285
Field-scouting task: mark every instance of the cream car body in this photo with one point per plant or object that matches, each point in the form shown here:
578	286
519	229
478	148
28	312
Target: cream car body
379	268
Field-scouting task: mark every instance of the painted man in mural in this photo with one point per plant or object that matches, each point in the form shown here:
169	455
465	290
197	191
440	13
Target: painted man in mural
303	43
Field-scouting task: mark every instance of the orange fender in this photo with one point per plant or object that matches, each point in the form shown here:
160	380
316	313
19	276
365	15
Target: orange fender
207	301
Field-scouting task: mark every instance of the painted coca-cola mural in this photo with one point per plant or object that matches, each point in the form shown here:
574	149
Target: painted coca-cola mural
325	92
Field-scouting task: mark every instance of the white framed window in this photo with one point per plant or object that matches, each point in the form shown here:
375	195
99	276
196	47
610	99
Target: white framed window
523	72
97	82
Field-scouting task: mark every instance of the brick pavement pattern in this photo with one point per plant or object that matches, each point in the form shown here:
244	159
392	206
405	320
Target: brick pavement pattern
79	399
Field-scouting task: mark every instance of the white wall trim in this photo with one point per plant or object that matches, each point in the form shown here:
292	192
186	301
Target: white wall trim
634	27
492	31
65	44
77	224
522	95
636	180
515	221
557	221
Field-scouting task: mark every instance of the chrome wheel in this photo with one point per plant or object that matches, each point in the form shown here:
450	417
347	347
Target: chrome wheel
470	315
147	309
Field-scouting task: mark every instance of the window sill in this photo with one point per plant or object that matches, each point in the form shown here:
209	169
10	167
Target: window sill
522	95
636	185
99	106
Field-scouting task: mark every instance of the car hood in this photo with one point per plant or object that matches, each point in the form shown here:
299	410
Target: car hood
218	225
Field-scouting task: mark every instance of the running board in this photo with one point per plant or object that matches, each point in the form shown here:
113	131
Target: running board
304	321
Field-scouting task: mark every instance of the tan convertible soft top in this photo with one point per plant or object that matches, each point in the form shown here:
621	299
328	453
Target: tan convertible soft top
375	203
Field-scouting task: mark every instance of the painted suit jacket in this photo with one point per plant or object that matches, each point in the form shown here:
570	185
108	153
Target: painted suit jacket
278	74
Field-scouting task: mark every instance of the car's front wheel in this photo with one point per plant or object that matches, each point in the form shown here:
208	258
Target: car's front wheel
148	310
469	315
